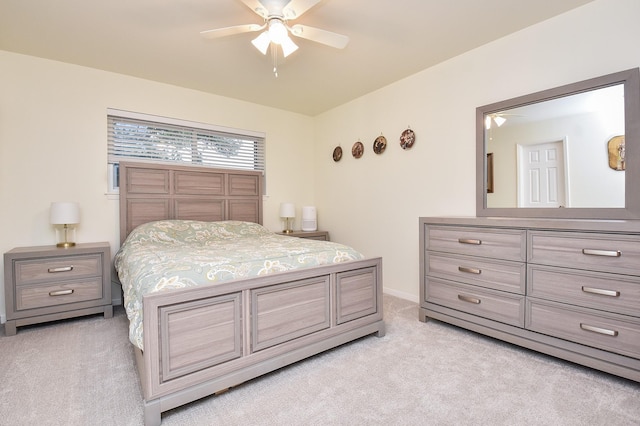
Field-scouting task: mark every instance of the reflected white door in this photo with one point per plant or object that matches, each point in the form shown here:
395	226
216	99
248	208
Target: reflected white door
541	175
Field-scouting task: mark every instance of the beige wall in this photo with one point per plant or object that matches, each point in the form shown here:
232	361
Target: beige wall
373	203
53	143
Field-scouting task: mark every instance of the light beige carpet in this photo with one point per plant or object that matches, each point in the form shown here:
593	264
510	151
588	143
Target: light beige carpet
82	372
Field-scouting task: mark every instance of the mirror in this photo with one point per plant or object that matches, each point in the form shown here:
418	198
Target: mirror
568	152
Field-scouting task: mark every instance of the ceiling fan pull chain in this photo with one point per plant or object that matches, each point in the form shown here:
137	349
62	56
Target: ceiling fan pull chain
274	56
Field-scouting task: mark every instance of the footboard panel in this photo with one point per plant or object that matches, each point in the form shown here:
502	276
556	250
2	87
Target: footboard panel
356	293
201	340
284	312
199	334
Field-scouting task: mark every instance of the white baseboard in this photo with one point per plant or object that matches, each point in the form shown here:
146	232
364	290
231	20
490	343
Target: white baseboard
402	295
3	319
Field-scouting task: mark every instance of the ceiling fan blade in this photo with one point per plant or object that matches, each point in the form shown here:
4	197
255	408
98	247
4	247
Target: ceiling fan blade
227	31
338	41
295	8
257	7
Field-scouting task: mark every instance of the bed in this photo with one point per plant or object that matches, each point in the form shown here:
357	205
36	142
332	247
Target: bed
201	325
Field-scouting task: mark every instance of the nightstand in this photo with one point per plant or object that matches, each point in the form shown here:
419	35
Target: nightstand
312	235
48	283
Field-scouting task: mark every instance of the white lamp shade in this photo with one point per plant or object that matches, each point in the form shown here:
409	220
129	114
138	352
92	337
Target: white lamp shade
288	46
287	210
262	42
64	213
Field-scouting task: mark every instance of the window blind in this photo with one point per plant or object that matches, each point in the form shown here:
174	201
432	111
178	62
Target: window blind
139	137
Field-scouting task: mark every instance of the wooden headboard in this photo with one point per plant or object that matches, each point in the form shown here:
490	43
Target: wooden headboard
150	192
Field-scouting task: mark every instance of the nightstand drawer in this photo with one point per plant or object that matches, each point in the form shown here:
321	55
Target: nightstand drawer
310	235
39	296
47	283
57	269
496	305
318	237
610	332
506	244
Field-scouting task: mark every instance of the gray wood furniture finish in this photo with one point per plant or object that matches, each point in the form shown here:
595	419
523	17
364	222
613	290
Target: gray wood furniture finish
312	235
151	192
204	339
48	283
567	288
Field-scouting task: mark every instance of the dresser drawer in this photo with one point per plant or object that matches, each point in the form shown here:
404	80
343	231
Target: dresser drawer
495	305
585	326
596	252
498	275
60	268
44	295
507	244
597	290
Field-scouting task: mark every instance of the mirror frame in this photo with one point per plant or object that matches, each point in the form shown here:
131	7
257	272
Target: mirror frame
631	80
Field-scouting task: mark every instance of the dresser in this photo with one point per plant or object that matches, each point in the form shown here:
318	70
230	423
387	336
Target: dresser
567	288
49	283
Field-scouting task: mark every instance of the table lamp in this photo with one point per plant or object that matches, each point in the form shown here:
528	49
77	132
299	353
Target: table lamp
65	213
287	211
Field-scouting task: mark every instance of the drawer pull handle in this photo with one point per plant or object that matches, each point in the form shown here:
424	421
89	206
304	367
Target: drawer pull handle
468	241
469	299
601	291
60	292
610	253
61	269
598	330
469	270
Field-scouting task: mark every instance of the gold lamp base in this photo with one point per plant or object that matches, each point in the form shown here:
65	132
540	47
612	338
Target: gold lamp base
65	244
287	223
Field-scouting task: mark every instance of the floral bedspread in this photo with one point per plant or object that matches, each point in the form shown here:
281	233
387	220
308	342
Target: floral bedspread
171	254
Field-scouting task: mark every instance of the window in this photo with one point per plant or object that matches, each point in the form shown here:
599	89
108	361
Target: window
141	137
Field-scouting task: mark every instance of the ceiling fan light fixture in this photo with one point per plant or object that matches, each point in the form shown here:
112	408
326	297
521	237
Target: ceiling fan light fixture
499	120
277	31
288	47
262	42
276	15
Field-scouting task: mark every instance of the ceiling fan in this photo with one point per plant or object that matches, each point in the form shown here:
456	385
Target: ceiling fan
499	118
276	15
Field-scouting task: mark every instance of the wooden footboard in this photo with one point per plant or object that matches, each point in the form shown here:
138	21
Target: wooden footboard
205	339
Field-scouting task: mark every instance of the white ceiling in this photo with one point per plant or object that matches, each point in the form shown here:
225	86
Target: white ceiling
159	40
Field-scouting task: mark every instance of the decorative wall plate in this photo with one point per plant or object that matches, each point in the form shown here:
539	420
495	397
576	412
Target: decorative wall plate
380	144
407	139
617	153
357	150
337	153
